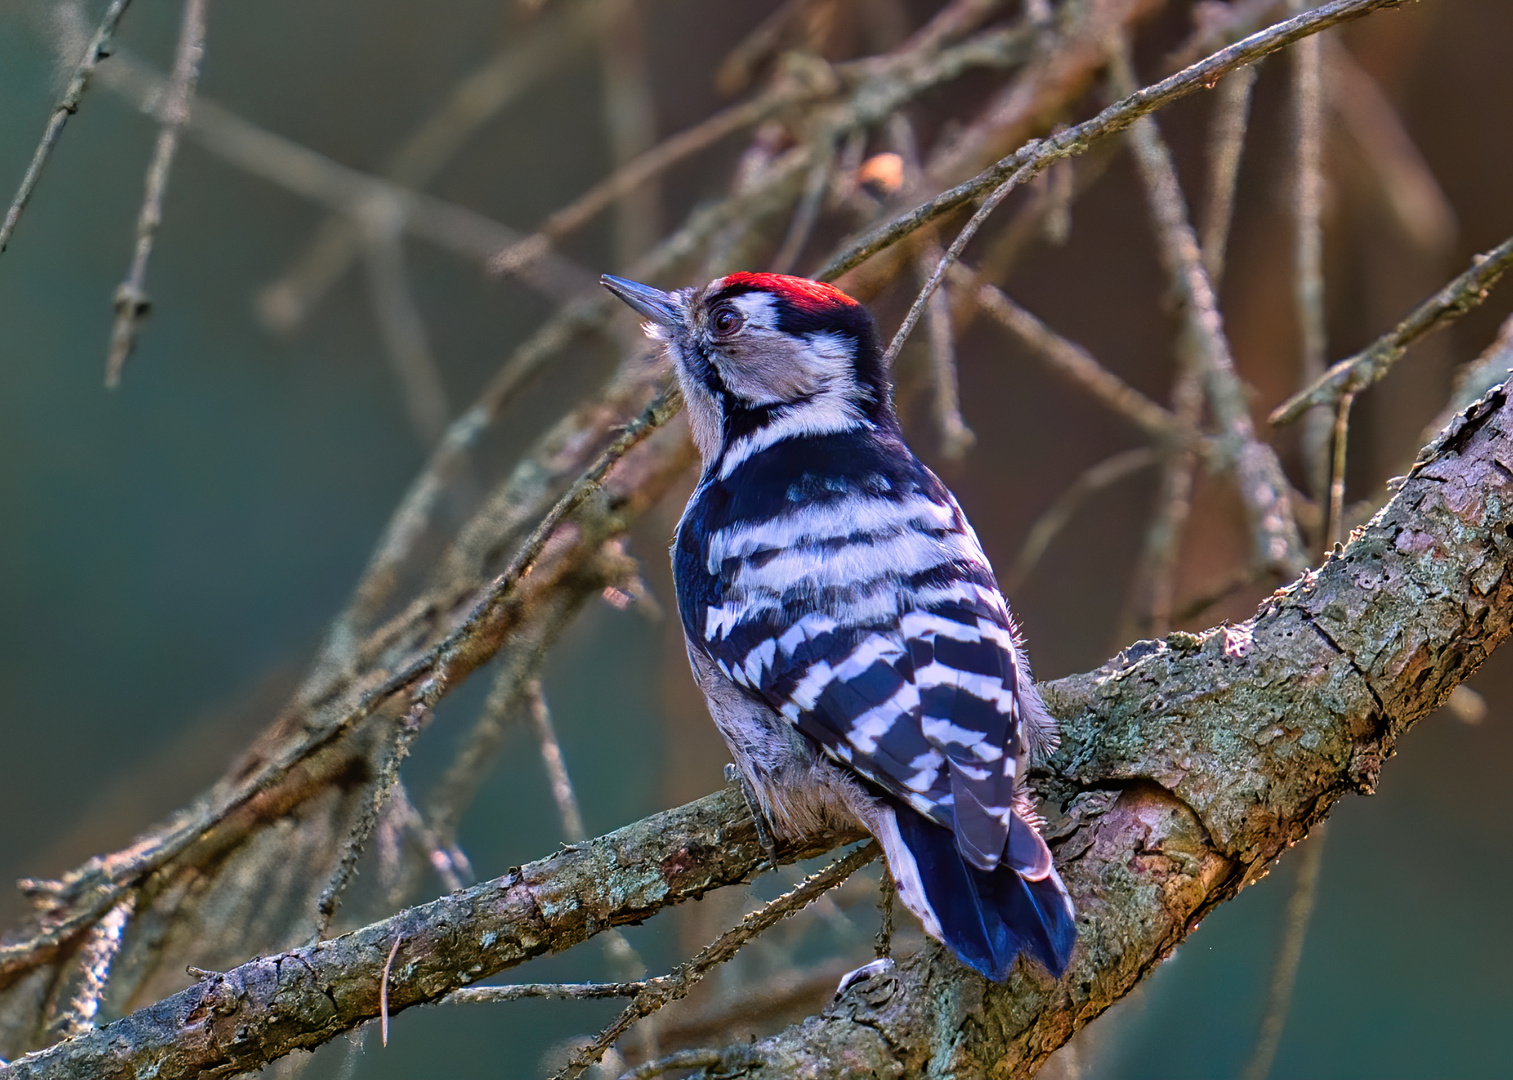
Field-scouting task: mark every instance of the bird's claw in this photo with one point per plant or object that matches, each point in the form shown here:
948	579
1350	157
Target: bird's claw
758	815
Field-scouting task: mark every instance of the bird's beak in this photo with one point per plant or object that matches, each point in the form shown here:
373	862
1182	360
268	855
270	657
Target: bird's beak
662	308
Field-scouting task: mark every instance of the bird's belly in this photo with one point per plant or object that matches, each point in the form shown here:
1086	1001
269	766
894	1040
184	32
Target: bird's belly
799	789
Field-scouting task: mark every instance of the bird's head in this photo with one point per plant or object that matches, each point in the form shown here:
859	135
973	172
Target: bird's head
766	357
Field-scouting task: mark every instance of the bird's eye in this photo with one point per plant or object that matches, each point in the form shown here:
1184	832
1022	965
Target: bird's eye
725	320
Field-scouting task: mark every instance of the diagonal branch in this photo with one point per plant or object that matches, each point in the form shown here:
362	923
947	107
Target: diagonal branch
1187	766
131	301
1353	374
98	49
1033	158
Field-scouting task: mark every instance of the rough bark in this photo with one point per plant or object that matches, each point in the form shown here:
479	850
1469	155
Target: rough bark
1187	766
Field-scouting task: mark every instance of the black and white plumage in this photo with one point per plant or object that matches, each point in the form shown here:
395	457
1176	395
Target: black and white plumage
843	621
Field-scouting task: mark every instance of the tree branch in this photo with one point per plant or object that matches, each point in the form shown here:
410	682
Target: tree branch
1186	767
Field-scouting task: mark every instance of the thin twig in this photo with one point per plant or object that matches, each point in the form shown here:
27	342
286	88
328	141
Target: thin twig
97	49
617	947
1055	191
956	438
1226	143
131	302
1150	608
1353	374
952	22
946	261
1153	595
1220	23
433	666
671	987
886	891
556	769
403	331
396	750
1284	973
630	120
740	65
314	176
383	990
449	862
1258	474
1476	378
635	173
1334	529
92	969
807	213
1030	159
489	995
1308	247
1413	193
1103	475
1075	363
1241	578
681	1059
536	53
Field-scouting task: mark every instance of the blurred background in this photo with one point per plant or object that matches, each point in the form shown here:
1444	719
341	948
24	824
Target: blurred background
172	551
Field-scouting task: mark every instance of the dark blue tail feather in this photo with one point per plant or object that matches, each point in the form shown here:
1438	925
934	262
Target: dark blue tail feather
988	917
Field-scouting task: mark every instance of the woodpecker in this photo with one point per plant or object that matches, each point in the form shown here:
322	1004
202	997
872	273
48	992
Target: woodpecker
842	619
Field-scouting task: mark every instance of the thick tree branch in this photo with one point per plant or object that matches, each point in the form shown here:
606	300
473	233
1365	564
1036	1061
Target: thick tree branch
299	999
1187	766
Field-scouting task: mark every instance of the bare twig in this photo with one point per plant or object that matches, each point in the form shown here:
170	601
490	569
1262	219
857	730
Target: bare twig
1334	523
1308	246
956	438
395	750
945	263
953	21
1414	195
1036	155
131	302
98	49
807	213
1218	24
637	172
886	892
671	987
740	65
535	53
316	177
383	989
1104	474
1357	372
1284	972
681	1059
556	769
403	331
1258	473
1226	143
488	995
631	123
1477	377
92	969
1075	363
1150	608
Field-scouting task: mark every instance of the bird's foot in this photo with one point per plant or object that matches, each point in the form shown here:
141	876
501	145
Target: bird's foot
883	965
758	815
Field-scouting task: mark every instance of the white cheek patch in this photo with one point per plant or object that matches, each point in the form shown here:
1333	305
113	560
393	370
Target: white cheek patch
835	355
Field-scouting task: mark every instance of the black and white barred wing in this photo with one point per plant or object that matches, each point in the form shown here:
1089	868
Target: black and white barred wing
890	646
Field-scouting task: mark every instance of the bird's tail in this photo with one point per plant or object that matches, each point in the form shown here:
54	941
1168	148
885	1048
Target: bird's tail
987	917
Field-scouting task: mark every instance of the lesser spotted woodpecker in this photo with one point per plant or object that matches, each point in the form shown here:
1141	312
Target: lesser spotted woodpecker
842	619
